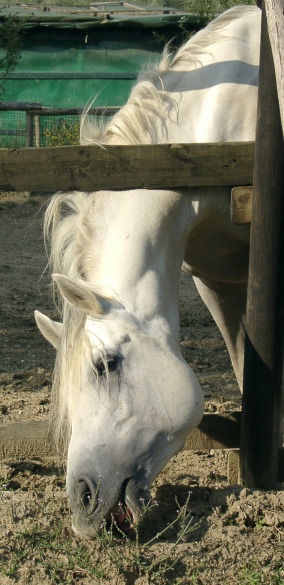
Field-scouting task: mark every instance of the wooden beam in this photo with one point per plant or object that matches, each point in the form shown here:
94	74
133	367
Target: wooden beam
126	167
262	414
241	205
275	23
215	431
233	467
27	439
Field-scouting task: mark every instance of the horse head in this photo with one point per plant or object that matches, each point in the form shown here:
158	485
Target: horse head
118	384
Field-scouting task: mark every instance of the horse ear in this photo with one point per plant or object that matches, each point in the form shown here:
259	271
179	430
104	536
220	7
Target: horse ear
78	295
51	330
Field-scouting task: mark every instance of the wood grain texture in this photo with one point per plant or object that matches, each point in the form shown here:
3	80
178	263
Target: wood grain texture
91	168
241	205
275	25
34	439
262	413
28	439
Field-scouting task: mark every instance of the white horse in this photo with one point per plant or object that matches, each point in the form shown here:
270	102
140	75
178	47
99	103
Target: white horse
126	399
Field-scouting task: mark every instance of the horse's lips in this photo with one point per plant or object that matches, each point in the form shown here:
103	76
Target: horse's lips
123	518
127	515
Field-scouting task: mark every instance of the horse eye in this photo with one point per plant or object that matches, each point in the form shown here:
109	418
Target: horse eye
112	363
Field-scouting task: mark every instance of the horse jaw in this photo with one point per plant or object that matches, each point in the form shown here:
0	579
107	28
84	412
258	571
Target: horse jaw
51	330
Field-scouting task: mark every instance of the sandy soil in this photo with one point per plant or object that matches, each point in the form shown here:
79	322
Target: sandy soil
233	535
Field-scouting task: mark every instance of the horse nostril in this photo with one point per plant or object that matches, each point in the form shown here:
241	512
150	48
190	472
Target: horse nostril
86	498
88	494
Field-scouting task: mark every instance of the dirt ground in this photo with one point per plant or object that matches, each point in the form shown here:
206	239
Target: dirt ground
201	530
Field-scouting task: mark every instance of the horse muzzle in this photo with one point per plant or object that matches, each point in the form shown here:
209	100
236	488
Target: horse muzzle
95	507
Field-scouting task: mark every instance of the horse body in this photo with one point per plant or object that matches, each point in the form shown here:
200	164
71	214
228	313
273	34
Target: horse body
123	389
218	66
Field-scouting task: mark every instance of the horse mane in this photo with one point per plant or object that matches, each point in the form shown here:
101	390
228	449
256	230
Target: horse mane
68	228
143	119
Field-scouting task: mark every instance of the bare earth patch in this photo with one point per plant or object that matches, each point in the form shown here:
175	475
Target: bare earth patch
200	530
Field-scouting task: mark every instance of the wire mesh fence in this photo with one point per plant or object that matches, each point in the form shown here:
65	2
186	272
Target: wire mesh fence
12	129
33	125
57	130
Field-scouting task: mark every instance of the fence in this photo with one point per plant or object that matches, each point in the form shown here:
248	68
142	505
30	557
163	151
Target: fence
259	434
31	124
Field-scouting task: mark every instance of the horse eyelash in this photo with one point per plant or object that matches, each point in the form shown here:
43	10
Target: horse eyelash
111	363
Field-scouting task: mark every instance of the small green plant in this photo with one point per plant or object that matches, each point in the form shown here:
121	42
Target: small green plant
56	550
252	576
260	523
11	569
195	578
62	133
140	556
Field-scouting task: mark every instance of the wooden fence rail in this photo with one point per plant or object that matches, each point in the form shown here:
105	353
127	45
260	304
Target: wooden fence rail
155	166
27	440
176	165
34	111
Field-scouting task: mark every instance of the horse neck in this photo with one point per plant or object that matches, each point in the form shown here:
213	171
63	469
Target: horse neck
137	250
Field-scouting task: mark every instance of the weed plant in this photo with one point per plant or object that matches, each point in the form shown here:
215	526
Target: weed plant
252	576
61	133
52	550
134	554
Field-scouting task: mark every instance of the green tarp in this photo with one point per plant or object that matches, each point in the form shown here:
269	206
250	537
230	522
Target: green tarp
69	56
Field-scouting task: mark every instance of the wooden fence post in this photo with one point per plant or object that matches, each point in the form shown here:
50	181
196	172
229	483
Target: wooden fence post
262	397
29	136
29	129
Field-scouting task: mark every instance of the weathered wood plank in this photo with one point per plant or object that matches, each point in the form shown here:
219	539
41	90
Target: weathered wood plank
215	431
26	439
29	439
126	167
233	467
262	413
275	24
241	205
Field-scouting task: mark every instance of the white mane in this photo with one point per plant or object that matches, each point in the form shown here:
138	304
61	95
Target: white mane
68	231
